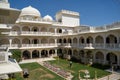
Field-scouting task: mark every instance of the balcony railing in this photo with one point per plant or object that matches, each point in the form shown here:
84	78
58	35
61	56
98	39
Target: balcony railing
29	33
84	46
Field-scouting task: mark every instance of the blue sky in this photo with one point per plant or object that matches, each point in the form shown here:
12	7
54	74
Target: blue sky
92	12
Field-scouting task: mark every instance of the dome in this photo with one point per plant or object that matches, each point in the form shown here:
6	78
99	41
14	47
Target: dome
30	11
47	18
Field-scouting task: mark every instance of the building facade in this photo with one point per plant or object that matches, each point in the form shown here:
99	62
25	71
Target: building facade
39	37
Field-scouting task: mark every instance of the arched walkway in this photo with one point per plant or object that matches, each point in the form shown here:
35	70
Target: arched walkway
51	52
51	30
64	40
99	57
26	41
51	41
15	28
81	40
111	39
15	41
35	54
44	41
35	29
75	40
35	41
99	39
69	40
59	30
111	58
89	40
44	53
26	54
4	41
25	28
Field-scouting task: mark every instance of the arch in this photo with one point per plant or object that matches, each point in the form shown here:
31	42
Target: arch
59	40
81	40
43	29
99	39
51	52
15	41
89	54
35	29
44	41
26	54
51	41
26	41
15	28
51	30
4	41
75	40
111	58
99	55
69	40
89	40
35	41
82	53
111	39
35	54
75	52
64	40
70	52
44	53
59	30
25	28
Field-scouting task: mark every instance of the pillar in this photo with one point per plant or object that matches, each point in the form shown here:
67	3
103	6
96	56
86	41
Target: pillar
39	54
30	54
48	53
55	52
104	58
55	41
10	41
55	30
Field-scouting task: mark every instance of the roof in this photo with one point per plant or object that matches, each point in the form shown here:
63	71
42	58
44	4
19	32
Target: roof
9	67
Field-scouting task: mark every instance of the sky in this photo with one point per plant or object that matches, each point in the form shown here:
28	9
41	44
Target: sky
92	12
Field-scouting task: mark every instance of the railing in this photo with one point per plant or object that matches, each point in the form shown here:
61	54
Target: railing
29	33
38	45
37	20
85	46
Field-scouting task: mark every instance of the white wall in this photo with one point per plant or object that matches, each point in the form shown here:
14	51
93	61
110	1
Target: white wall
70	20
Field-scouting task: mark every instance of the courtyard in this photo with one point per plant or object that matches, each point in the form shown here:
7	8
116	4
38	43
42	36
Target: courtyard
39	72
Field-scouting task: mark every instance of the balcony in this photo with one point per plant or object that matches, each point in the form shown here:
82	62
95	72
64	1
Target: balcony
67	45
26	46
92	46
29	33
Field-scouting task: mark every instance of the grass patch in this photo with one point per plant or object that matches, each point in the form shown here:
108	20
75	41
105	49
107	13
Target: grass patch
37	72
64	64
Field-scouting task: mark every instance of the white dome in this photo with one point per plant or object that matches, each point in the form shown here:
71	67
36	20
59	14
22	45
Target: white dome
47	18
30	11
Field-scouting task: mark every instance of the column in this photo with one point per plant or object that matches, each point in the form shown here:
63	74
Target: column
77	41
55	42
94	55
39	53
48	53
55	52
118	56
55	30
104	41
10	41
30	54
104	58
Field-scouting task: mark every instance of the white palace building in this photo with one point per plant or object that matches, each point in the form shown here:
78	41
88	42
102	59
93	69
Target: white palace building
37	37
